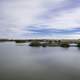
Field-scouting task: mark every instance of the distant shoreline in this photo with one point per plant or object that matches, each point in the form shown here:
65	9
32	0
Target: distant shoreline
73	40
46	42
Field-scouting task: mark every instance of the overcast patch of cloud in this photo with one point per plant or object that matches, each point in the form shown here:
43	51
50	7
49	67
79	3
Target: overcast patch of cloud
39	18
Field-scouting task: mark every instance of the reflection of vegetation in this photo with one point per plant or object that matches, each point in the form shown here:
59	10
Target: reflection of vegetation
65	44
44	44
78	45
53	45
35	44
50	44
20	41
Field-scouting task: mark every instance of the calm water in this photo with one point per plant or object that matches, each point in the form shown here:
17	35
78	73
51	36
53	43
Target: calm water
31	63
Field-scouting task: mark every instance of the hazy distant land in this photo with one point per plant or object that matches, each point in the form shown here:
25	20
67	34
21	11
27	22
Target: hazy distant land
46	42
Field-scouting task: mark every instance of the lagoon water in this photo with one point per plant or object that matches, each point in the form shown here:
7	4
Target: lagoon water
21	62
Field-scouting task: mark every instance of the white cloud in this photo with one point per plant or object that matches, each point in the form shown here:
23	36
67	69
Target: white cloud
16	15
21	13
66	20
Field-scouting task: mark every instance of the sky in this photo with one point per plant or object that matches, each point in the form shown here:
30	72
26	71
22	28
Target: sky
40	19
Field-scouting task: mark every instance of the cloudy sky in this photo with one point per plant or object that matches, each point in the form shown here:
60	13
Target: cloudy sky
40	19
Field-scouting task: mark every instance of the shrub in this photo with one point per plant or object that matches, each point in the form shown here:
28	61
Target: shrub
35	44
78	45
20	41
64	45
44	45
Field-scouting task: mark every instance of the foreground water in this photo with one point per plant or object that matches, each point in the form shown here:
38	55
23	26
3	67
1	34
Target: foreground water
21	62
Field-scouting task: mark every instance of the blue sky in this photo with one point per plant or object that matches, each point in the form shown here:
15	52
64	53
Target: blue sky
40	19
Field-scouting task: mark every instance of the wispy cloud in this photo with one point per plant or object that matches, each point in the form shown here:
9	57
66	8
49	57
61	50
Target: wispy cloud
40	18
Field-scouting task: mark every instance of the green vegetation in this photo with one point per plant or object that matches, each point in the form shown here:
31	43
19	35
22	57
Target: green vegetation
64	44
35	44
20	41
52	43
44	44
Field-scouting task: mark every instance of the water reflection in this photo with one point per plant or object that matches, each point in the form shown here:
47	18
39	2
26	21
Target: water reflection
31	63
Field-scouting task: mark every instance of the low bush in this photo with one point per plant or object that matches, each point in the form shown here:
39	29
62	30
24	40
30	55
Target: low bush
64	45
35	44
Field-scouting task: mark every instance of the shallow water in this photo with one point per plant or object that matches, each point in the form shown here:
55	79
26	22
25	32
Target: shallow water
21	62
